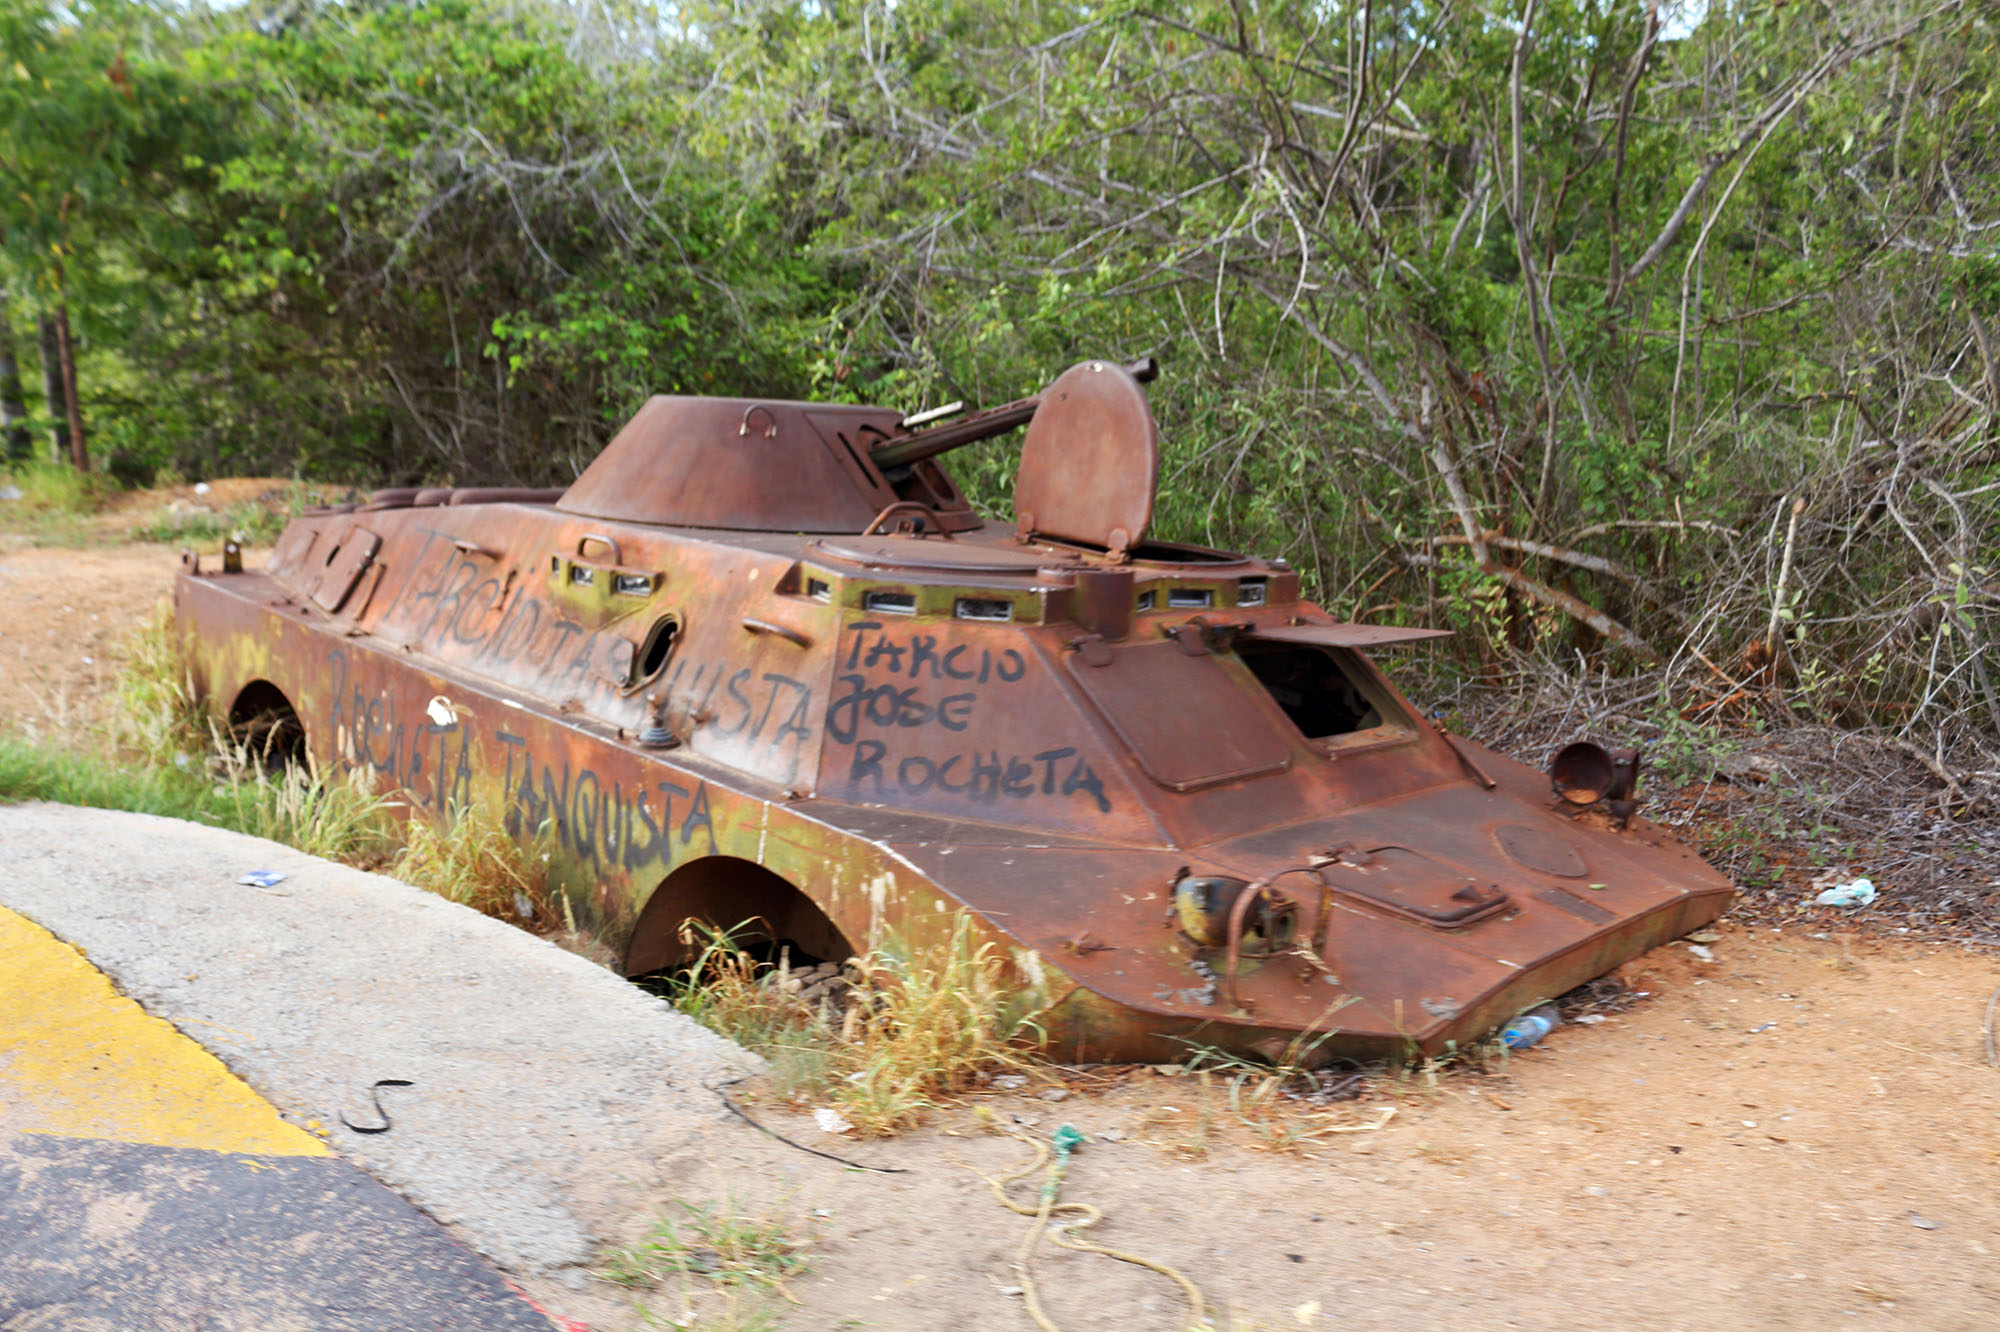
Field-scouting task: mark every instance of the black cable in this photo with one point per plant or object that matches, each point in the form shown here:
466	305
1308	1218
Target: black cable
375	1094
721	1094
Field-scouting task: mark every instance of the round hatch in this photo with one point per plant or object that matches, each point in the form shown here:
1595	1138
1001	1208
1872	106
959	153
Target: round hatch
1539	849
1090	461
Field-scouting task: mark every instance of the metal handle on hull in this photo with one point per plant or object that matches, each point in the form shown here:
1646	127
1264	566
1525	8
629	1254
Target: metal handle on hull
616	556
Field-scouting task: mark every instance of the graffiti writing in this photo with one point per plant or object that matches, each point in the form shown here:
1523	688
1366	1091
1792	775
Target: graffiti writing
597	820
875	651
893	689
368	732
742	704
856	703
596	824
980	776
459	608
464	608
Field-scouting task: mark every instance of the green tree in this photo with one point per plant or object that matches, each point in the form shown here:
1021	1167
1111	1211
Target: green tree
92	131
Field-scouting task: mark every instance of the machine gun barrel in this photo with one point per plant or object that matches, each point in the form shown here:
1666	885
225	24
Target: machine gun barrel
914	448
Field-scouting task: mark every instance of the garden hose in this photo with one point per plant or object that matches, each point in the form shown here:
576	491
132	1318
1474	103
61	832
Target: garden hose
1067	1232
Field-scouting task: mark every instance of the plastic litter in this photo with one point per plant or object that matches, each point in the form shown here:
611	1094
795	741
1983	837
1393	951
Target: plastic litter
831	1121
1702	951
1530	1027
1853	893
12	493
201	487
263	878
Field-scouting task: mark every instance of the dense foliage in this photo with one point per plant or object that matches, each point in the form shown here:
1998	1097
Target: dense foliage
1574	322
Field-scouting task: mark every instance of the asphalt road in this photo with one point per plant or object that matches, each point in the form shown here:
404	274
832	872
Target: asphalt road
143	1186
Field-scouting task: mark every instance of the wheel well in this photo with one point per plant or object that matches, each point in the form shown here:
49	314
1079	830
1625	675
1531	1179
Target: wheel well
264	722
755	905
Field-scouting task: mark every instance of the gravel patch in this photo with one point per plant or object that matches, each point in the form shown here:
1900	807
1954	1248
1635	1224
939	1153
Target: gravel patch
544	1085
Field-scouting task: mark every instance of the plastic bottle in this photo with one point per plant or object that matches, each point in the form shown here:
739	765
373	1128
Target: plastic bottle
1530	1027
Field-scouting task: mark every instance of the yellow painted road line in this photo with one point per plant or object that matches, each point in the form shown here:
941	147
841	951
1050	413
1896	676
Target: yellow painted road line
80	1060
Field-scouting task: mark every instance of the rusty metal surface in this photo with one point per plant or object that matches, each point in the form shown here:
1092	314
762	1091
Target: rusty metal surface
739	464
1089	461
1185	720
893	726
349	552
1349	635
910	449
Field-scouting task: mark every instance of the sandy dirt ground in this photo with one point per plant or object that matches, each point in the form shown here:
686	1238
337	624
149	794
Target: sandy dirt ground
68	613
1803	1133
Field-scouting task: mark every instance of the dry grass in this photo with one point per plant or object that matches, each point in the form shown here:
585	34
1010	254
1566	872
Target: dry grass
727	989
1284	1107
335	816
917	1027
470	859
157	717
926	1025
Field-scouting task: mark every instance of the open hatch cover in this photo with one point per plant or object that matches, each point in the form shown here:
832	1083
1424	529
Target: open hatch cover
1345	635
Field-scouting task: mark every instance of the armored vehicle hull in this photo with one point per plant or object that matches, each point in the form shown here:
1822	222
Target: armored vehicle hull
760	663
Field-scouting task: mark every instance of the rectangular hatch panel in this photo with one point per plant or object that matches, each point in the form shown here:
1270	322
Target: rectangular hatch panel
1412	884
347	557
1187	721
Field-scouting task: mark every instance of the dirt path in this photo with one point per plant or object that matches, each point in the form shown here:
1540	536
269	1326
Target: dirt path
69	615
69	612
1800	1134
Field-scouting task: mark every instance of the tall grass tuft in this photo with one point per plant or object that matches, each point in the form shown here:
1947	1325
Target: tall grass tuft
923	1024
332	816
918	1026
157	718
728	990
471	860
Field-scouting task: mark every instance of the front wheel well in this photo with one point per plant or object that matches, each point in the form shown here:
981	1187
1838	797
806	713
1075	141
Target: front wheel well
754	905
264	722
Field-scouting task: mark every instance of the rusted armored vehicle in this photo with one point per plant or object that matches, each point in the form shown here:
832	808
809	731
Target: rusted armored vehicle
762	662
